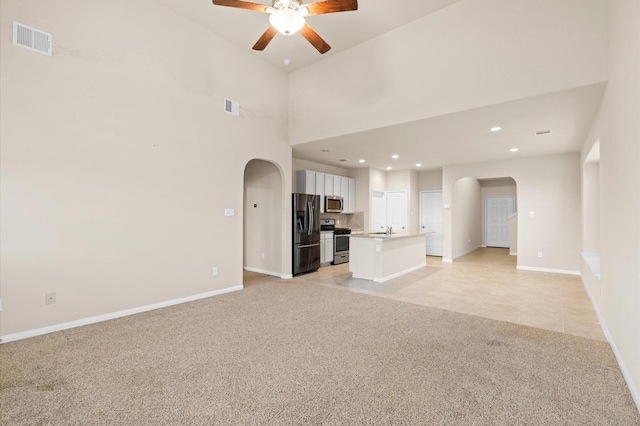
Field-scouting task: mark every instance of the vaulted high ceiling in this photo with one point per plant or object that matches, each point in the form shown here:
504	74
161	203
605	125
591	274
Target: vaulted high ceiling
427	79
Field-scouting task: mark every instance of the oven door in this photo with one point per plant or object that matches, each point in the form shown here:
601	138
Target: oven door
340	248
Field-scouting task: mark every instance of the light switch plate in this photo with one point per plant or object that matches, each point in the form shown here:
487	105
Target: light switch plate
229	212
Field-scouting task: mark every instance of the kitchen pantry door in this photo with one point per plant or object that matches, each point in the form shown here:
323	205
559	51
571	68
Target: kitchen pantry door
498	210
431	220
377	211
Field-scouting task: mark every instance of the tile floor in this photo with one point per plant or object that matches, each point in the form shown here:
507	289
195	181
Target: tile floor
484	283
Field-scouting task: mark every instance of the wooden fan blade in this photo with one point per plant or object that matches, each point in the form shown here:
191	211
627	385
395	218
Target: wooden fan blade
331	6
313	38
264	40
241	5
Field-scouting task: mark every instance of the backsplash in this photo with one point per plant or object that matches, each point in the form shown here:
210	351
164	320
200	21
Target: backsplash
354	221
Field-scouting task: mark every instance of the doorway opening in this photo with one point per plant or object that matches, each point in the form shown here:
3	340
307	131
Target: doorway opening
263	240
484	214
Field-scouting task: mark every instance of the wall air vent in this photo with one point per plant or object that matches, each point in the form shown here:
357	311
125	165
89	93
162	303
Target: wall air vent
542	132
342	160
32	39
232	107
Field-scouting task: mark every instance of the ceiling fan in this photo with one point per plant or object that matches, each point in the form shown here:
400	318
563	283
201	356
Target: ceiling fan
287	17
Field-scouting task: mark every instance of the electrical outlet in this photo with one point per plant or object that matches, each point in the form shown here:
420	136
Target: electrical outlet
49	298
0	305
263	255
539	254
215	270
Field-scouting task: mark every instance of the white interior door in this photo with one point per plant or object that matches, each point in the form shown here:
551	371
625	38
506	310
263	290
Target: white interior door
397	210
431	220
378	221
497	211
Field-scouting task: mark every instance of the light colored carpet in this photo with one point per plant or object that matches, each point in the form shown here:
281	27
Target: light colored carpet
286	352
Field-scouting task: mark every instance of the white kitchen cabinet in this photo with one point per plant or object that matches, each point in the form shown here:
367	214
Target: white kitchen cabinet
325	184
326	248
351	205
337	186
319	179
344	191
306	182
328	184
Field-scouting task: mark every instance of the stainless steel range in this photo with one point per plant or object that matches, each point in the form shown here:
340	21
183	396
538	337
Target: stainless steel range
341	238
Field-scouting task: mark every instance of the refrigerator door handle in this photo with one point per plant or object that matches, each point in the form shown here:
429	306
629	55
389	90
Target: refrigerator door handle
310	207
309	245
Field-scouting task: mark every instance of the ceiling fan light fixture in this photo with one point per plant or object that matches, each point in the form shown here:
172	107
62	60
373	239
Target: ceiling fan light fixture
287	21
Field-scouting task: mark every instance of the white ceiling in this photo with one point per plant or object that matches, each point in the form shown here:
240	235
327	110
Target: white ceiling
464	137
461	137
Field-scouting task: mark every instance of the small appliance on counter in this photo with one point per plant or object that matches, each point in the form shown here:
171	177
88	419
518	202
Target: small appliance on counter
306	233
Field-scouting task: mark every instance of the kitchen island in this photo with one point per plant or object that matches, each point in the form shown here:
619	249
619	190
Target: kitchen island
380	257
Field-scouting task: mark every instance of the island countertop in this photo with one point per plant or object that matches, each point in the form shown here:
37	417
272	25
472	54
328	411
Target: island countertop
394	236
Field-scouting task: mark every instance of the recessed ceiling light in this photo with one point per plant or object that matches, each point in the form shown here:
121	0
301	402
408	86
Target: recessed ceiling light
388	168
514	149
361	161
418	165
395	156
495	129
287	61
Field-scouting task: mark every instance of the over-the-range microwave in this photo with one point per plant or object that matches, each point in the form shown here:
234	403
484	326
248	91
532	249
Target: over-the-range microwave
333	204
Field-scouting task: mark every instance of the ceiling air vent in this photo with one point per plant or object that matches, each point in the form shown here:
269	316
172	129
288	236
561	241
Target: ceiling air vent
232	107
31	39
542	132
342	160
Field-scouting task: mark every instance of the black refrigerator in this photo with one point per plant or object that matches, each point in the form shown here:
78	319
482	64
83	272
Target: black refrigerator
306	233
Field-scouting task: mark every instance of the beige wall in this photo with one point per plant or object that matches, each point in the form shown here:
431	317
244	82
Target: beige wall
446	73
466	205
118	160
430	180
618	292
549	186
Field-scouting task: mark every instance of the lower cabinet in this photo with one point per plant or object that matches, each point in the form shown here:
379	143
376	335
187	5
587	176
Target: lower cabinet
326	248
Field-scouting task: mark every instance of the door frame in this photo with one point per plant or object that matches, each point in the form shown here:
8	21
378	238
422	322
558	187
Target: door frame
421	225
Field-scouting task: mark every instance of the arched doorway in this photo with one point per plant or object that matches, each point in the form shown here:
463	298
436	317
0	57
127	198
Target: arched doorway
262	222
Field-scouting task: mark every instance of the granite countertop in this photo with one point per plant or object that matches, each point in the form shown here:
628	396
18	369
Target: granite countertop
396	235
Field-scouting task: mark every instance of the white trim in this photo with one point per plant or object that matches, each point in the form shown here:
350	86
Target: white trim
465	253
447	260
553	271
262	271
286	276
635	394
513	254
113	315
397	274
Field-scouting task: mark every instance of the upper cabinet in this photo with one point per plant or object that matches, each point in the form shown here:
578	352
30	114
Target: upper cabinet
323	184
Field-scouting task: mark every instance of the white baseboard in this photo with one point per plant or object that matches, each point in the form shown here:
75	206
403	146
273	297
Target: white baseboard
513	254
553	271
286	276
265	272
113	315
447	260
465	253
397	274
635	393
